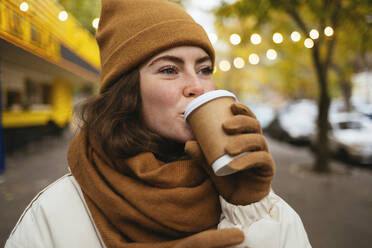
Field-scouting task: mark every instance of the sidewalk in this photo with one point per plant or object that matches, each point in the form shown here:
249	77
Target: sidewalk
336	209
27	172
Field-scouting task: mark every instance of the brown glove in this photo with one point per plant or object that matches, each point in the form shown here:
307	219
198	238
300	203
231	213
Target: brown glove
213	239
255	169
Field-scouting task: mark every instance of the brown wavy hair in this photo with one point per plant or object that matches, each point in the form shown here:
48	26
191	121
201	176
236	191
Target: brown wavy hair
114	117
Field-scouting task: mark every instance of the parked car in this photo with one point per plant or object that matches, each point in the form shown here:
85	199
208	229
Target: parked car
350	137
265	114
363	107
295	122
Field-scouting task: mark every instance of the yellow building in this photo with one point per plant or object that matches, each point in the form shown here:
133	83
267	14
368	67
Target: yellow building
43	56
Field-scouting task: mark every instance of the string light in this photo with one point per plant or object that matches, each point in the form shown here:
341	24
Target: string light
277	38
295	36
63	15
328	31
309	43
235	39
23	6
254	59
95	23
271	54
239	63
255	39
224	65
314	34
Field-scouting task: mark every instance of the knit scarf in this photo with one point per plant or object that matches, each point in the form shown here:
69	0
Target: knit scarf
141	201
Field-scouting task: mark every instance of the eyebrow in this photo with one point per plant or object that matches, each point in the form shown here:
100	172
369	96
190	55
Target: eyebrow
178	60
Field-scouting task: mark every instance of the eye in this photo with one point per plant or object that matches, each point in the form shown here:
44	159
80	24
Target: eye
168	70
207	70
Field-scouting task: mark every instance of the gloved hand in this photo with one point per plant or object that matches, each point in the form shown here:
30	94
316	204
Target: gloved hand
255	169
213	239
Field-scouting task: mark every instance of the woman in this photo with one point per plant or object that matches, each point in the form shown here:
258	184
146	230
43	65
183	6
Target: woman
131	183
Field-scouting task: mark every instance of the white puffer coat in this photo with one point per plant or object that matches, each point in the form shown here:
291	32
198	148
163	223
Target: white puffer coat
59	217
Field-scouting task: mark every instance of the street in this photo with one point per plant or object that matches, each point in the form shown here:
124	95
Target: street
336	209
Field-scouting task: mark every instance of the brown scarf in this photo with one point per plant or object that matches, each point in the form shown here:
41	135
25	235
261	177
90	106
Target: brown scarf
141	201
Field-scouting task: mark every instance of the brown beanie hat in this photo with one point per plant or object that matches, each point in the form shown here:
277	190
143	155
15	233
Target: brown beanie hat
131	31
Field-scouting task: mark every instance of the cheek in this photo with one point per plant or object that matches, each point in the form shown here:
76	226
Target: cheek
160	97
212	87
158	100
209	85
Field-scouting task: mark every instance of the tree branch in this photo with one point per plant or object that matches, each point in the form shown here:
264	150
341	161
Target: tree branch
331	43
323	17
295	16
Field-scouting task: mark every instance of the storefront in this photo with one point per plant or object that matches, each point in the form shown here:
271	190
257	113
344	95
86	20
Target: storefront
42	60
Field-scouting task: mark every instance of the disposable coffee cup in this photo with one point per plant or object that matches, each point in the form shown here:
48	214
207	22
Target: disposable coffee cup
205	114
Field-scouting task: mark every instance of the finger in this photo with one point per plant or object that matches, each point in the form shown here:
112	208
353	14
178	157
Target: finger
241	109
193	149
245	143
260	161
241	124
214	239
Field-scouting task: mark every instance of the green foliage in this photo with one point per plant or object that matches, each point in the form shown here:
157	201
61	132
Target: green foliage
295	69
291	75
351	22
84	11
180	2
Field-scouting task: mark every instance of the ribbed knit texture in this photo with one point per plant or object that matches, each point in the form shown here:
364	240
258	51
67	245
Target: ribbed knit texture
132	31
141	199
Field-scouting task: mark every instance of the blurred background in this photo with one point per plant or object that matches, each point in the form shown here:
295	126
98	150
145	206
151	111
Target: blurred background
303	67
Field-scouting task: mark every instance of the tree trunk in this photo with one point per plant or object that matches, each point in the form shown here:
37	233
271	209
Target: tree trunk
322	152
345	87
346	93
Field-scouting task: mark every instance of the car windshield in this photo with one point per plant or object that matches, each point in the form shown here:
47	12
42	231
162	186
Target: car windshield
349	125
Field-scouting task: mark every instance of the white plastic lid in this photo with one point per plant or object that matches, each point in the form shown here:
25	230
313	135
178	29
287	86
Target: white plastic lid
206	97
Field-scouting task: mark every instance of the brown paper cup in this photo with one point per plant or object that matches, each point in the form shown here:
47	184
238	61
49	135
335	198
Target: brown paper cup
205	114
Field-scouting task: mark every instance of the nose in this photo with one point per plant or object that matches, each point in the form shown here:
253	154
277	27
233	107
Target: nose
194	86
